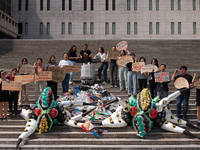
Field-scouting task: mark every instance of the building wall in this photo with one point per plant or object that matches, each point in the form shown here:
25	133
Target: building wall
187	17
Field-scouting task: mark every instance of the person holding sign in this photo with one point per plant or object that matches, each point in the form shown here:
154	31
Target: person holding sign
104	64
4	96
142	78
38	84
185	96
65	82
52	84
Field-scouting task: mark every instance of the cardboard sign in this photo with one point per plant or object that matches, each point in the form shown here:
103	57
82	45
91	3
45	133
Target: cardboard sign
113	54
149	68
137	66
27	69
58	74
181	83
71	68
43	76
11	86
161	77
124	60
197	85
123	45
24	79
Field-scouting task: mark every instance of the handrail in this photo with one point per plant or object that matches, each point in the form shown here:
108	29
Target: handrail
6	15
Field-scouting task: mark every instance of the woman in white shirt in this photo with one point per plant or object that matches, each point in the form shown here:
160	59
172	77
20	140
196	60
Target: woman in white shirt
104	65
65	82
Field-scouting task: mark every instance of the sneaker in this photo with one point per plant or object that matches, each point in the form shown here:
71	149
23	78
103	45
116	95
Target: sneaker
70	83
198	124
184	118
111	86
115	86
104	83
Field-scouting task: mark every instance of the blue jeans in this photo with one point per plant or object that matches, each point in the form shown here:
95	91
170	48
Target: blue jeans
65	83
162	94
72	73
104	67
185	99
122	73
132	78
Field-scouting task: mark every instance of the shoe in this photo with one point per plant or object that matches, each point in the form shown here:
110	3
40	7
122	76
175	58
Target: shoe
98	79
120	90
104	83
134	95
184	118
70	83
111	86
1	118
5	118
198	124
115	86
129	95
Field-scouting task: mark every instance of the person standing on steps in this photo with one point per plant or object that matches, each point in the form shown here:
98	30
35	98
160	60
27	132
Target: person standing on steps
113	70
4	97
86	54
38	84
104	64
52	84
185	96
73	58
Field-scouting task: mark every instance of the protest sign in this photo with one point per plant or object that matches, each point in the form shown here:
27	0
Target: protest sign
197	85
161	77
149	68
71	68
124	60
43	76
181	83
11	86
113	54
123	45
58	74
27	69
24	79
137	66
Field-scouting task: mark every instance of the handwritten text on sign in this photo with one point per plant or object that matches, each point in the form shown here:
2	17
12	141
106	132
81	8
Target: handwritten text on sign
161	77
27	69
58	74
43	76
197	85
24	79
11	86
124	60
123	45
113	54
149	68
137	66
181	83
71	68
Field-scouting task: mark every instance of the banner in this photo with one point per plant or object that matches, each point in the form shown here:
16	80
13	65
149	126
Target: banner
137	66
181	83
124	60
43	76
24	79
123	45
58	74
27	69
162	77
197	85
71	68
11	86
149	68
113	54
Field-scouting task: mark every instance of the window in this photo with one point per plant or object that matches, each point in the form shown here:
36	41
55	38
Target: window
179	4
135	28
91	28
194	27
172	4
157	27
63	4
92	5
106	28
41	28
48	4
20	29
19	5
48	28
135	4
85	4
150	4
26	28
41	4
128	5
128	28
194	4
157	4
63	28
150	27
172	27
26	5
69	28
113	4
70	4
107	5
84	28
113	28
179	28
